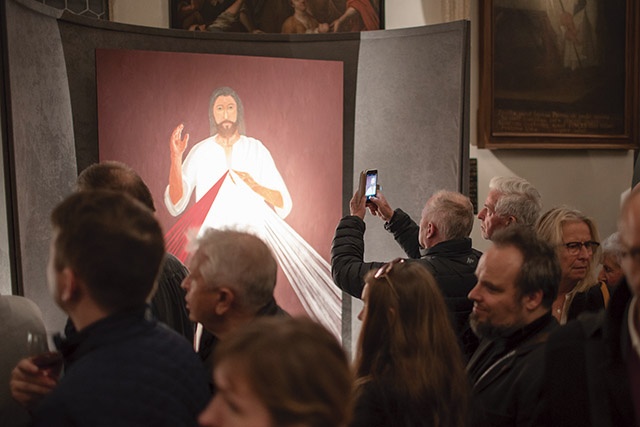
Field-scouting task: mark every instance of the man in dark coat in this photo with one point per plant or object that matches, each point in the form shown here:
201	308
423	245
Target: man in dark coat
592	365
231	282
447	220
167	303
120	366
517	283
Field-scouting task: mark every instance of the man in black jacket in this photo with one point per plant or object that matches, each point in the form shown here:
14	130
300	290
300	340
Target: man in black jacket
167	303
517	283
447	220
120	366
592	365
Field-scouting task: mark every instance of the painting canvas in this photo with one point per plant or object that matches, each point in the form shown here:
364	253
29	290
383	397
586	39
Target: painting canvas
289	114
558	74
277	16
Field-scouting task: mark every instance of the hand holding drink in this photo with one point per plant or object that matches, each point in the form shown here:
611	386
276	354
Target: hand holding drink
48	362
36	375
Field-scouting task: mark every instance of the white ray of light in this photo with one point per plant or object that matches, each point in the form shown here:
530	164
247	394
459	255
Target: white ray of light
308	273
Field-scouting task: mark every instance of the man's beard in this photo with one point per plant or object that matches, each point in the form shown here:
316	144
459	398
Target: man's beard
488	330
227	132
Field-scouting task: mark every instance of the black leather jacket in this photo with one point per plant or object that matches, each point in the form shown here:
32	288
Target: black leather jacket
452	263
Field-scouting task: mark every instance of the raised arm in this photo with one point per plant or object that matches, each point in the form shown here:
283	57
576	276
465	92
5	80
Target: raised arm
177	145
347	250
405	232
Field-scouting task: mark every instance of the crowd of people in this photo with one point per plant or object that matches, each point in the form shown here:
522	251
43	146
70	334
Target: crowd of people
540	330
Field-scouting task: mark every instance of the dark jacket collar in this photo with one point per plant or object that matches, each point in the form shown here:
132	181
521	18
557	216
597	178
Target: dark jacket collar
110	329
529	331
518	342
453	245
271	309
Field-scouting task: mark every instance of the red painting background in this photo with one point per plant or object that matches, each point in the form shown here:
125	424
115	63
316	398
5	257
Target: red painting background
295	107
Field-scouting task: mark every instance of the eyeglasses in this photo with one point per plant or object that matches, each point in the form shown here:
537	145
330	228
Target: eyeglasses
385	270
574	248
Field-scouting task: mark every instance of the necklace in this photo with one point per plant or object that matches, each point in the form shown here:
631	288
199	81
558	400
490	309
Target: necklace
560	305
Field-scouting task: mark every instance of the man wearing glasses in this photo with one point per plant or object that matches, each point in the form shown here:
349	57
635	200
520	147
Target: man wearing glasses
441	243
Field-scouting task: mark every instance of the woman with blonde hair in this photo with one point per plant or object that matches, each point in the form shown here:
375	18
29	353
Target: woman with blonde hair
409	368
576	241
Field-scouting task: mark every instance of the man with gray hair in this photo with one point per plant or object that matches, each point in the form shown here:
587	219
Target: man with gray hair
231	282
441	243
510	200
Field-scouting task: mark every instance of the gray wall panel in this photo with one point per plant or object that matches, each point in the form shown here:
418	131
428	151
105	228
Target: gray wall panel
411	106
43	150
410	103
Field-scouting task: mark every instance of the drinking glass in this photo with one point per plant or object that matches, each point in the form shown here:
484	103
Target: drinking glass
49	362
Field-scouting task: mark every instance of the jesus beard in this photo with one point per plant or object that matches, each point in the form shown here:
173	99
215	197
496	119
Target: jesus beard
227	128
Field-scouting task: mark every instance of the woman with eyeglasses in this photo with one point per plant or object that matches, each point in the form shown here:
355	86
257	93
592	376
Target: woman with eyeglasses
577	243
408	367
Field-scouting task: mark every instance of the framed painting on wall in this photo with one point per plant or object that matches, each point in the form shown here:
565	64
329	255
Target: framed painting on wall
558	74
277	16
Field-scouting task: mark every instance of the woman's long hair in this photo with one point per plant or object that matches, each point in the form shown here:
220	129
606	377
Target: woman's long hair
407	342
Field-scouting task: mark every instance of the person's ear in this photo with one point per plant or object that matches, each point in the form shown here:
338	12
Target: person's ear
224	300
68	285
532	300
511	220
431	230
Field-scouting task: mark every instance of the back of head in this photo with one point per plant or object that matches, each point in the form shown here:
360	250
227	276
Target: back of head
115	176
295	367
408	343
540	269
113	244
451	212
240	261
612	246
629	209
518	198
550	229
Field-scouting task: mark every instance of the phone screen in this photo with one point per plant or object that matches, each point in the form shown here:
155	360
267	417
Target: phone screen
371	185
